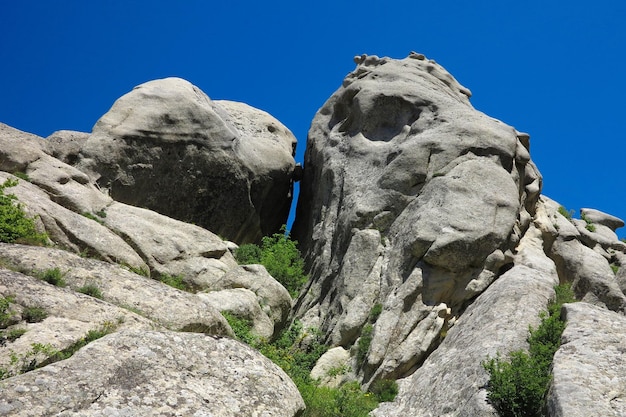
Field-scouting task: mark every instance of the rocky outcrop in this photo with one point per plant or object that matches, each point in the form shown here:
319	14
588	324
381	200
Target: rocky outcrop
429	246
166	306
155	373
410	199
117	253
452	381
588	369
166	142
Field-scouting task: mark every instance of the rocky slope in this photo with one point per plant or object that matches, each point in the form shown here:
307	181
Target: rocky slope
429	246
415	202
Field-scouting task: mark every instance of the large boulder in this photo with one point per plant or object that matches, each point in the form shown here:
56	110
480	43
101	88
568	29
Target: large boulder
410	199
167	147
589	369
141	373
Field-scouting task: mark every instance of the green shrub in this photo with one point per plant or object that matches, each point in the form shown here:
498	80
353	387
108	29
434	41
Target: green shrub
385	390
280	256
22	176
242	328
34	314
568	214
248	253
94	334
364	343
15	227
52	276
175	281
5	313
91	290
518	385
14	334
92	217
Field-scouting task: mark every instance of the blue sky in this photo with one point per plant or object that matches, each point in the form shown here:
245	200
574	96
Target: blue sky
554	69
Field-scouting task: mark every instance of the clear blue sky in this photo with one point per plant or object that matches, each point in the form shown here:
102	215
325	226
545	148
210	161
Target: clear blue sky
554	69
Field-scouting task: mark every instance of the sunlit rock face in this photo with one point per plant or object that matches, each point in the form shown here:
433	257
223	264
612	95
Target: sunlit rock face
411	199
168	147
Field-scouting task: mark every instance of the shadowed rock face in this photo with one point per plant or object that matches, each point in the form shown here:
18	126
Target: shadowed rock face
167	147
410	198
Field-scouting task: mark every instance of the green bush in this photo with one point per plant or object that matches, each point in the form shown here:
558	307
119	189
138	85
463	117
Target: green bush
175	281
52	276
241	327
15	227
568	214
34	314
248	253
13	334
363	345
385	390
91	290
280	256
5	313
518	385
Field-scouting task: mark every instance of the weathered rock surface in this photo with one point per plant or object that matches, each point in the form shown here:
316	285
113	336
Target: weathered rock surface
120	238
451	381
166	306
411	199
166	142
155	373
589	369
429	246
70	316
272	297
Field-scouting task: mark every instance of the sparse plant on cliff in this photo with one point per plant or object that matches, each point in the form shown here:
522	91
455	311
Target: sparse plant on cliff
568	214
91	290
518	385
590	226
52	276
5	312
15	226
280	256
34	314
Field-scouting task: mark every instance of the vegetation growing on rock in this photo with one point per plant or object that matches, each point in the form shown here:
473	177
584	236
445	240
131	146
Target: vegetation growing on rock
15	226
296	352
279	254
518	386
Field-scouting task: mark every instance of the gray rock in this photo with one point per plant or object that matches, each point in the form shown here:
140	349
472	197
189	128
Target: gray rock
451	382
70	316
169	246
166	306
410	199
592	278
331	368
273	298
135	373
18	149
589	369
596	216
166	142
70	230
65	145
241	303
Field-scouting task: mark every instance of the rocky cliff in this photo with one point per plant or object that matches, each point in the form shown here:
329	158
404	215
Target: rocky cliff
428	243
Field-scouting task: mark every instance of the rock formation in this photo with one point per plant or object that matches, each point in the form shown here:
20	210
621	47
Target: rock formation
155	373
416	205
428	243
121	253
410	199
166	142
